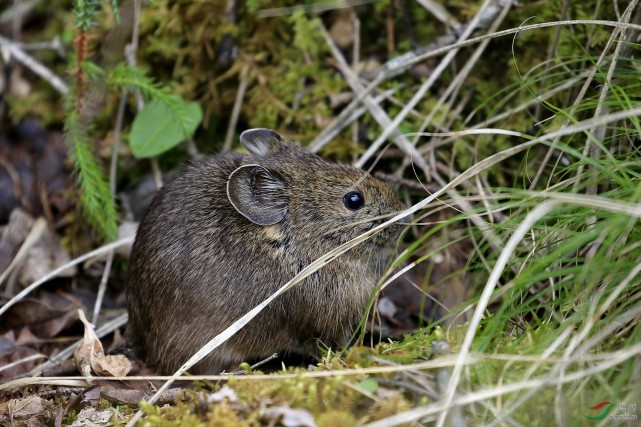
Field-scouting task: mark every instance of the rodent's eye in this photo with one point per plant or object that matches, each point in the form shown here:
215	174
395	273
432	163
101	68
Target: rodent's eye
354	200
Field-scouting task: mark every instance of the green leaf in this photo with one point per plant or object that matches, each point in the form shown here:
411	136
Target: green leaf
162	125
369	385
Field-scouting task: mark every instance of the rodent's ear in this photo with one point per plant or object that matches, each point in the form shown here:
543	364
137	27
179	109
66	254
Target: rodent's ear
261	141
257	194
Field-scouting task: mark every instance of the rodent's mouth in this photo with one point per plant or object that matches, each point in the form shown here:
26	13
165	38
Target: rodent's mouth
386	235
383	237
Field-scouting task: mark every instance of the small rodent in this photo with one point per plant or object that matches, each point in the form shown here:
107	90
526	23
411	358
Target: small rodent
229	230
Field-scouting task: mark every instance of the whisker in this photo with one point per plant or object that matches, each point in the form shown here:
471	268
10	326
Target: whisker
364	221
423	223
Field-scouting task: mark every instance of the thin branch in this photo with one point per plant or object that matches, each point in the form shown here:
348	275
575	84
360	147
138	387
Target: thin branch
420	93
235	112
35	66
102	250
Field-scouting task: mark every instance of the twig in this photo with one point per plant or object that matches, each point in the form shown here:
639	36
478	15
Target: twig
115	149
255	365
339	121
35	66
440	13
392	128
55	44
102	250
377	112
311	8
399	64
21	361
39	226
325	137
235	112
18	9
456	83
262	362
356	57
102	288
130	55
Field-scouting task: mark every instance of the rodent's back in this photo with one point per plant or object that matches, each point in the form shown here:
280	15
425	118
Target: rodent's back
207	252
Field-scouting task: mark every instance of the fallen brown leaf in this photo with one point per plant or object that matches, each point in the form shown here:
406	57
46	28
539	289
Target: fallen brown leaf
32	410
90	356
16	359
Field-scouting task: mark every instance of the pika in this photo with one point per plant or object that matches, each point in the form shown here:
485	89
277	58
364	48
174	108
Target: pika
229	230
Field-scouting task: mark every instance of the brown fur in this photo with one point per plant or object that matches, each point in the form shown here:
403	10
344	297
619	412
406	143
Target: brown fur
198	265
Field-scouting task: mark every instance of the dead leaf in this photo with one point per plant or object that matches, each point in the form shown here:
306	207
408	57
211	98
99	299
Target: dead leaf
90	396
23	358
29	311
90	356
45	316
116	365
34	167
123	397
45	255
33	409
14	233
26	337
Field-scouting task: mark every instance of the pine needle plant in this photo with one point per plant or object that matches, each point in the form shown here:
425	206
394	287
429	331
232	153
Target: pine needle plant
164	122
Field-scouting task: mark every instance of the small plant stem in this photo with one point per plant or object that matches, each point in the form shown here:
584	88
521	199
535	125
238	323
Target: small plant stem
356	47
81	44
575	105
439	12
615	34
598	133
115	149
551	55
235	112
321	141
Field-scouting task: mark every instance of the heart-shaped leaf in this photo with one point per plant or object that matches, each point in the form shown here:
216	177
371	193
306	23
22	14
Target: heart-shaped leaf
161	126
